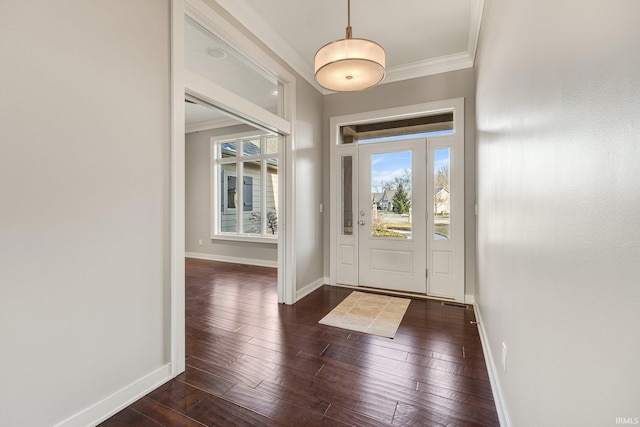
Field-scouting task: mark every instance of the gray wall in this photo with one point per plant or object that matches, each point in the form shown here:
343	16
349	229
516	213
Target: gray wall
438	87
309	185
558	90
198	204
84	196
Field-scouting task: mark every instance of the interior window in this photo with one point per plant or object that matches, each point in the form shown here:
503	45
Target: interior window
257	164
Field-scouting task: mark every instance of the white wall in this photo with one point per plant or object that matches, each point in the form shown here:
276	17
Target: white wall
198	206
456	84
84	203
558	117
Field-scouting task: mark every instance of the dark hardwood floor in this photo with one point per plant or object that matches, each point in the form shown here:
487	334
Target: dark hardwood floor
254	362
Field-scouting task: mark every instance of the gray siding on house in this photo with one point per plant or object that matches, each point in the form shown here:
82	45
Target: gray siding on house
228	217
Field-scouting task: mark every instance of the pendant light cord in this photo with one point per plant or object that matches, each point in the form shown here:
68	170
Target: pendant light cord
349	35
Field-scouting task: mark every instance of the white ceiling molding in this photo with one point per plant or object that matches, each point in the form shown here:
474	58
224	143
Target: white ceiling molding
443	64
246	15
477	7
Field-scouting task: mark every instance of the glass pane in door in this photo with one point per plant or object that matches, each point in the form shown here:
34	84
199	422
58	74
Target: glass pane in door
441	191
391	195
347	195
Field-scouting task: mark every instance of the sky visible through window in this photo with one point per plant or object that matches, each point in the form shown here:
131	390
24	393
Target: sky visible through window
387	166
405	136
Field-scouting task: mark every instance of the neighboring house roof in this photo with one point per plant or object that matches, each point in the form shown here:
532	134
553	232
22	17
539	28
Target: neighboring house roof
248	148
386	197
390	194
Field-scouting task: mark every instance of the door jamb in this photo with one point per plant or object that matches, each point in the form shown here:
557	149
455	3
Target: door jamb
177	165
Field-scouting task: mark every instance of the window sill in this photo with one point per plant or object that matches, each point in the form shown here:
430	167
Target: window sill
273	240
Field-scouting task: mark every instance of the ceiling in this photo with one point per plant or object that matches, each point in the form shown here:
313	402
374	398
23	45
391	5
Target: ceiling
420	37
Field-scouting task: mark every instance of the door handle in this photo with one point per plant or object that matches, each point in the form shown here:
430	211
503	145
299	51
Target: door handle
361	222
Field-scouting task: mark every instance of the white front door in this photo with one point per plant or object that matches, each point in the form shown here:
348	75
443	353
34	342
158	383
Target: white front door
422	251
391	215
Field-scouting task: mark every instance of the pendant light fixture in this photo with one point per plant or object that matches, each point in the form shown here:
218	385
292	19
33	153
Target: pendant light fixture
349	64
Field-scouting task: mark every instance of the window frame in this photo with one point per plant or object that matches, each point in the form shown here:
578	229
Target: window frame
219	186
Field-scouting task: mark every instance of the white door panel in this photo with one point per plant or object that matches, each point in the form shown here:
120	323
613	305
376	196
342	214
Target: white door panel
391	245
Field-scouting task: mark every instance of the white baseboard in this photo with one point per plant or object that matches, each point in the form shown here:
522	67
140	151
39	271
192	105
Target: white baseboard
111	405
496	389
234	260
469	299
301	293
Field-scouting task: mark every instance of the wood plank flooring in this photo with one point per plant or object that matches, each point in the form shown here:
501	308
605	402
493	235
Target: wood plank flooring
254	362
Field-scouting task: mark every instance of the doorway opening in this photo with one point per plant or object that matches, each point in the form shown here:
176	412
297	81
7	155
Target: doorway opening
397	219
233	195
220	67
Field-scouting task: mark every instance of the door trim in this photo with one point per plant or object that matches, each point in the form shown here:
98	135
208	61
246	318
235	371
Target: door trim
212	20
455	105
178	174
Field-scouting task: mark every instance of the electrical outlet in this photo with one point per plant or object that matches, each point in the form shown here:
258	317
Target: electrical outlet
200	242
504	356
321	208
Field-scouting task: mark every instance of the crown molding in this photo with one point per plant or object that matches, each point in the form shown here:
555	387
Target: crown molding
241	11
475	21
442	64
